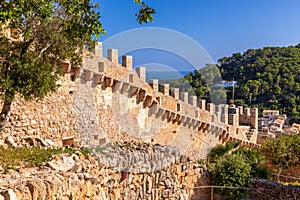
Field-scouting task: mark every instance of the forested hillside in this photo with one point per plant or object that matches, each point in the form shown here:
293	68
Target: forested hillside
270	77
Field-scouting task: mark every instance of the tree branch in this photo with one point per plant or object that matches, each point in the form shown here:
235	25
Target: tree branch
43	50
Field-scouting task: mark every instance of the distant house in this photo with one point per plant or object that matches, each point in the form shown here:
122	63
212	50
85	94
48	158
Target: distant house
227	84
295	128
272	123
270	114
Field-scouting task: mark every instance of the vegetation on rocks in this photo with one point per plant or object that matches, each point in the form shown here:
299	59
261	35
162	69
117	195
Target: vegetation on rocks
12	158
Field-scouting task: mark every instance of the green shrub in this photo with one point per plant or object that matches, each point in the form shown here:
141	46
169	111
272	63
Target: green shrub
235	171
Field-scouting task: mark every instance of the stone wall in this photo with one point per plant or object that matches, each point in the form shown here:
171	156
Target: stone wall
86	177
50	118
270	190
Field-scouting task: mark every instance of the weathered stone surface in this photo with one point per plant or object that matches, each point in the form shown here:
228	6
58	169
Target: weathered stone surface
9	195
97	181
62	163
266	189
11	141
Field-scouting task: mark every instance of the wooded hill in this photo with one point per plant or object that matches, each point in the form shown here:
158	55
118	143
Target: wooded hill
268	78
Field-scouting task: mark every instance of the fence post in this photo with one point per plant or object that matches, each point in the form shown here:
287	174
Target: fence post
212	193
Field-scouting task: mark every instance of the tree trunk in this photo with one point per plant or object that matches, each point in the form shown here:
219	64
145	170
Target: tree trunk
4	113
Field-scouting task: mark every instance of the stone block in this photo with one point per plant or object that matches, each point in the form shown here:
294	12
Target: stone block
175	93
127	62
98	49
193	100
141	71
112	55
184	96
165	89
211	108
154	84
202	104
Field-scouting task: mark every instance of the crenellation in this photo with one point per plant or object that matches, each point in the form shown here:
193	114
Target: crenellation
113	55
165	89
184	96
224	118
175	93
141	71
127	62
98	49
254	114
154	84
211	108
219	108
247	111
233	119
193	101
202	104
219	115
249	118
240	109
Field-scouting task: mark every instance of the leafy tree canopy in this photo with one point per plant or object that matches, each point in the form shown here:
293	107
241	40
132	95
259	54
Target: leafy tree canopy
145	13
284	151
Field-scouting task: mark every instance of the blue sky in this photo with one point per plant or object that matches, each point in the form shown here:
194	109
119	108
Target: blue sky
222	27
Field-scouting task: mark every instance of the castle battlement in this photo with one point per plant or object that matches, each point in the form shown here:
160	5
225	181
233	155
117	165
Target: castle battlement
104	100
167	103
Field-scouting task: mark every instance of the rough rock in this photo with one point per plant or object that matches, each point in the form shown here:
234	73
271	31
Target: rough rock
62	163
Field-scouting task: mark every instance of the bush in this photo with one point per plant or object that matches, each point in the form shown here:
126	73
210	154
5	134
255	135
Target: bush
235	171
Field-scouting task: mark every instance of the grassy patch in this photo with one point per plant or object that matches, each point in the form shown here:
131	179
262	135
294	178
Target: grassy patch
10	158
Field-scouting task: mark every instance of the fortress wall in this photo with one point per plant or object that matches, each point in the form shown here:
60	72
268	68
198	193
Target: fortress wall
107	101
